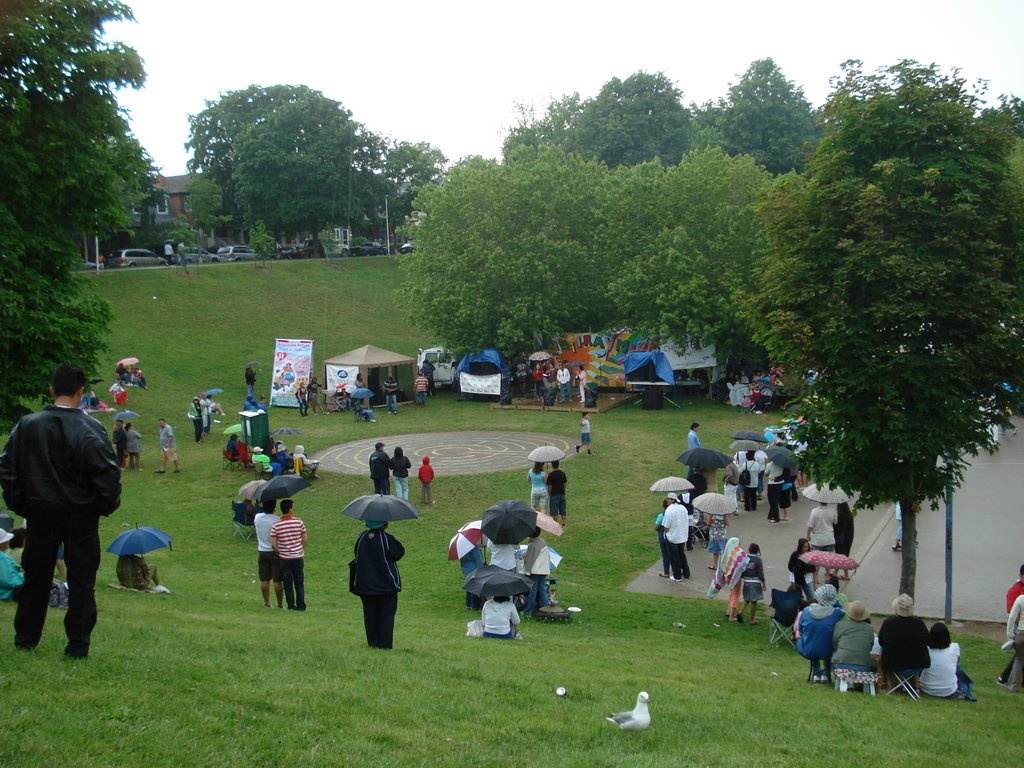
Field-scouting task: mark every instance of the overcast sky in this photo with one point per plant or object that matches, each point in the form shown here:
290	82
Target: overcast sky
451	72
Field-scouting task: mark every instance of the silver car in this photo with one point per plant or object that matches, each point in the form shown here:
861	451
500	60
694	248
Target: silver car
233	253
134	257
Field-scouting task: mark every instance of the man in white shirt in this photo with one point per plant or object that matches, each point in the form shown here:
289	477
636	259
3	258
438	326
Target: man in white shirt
503	555
269	568
676	524
563	377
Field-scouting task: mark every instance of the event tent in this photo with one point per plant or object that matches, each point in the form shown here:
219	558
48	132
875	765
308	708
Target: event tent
480	373
342	369
647	366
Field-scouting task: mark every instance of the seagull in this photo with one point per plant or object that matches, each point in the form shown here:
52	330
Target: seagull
638	719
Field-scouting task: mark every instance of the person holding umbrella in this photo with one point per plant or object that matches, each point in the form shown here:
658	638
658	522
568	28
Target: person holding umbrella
133	572
375	578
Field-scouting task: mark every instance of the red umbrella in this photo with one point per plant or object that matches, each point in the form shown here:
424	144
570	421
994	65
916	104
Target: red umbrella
831	560
128	361
467	537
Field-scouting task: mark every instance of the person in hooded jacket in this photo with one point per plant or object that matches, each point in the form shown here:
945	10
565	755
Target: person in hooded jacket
426	475
400	466
376	580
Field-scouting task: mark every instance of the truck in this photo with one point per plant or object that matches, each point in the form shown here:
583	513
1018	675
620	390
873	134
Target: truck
444	363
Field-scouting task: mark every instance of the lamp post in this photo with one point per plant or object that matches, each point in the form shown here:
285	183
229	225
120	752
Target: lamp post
387	226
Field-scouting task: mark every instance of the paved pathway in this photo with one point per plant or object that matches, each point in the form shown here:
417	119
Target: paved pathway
986	546
451	453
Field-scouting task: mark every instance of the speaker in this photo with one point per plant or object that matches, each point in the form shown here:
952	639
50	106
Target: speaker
654	399
549	395
505	398
590	399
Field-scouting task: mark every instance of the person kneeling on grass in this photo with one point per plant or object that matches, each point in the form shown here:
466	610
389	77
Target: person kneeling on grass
500	617
134	573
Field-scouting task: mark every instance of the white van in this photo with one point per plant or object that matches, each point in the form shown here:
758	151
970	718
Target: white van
444	363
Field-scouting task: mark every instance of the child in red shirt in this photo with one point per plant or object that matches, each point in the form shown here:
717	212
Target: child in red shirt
426	475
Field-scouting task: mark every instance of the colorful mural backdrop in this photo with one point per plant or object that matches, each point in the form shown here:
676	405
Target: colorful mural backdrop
293	360
603	354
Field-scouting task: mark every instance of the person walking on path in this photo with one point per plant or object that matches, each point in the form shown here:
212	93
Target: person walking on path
843	533
288	538
666	566
749	471
556	481
168	447
380	470
58	470
584	433
677	530
753	582
692	439
773	479
1016	590
401	465
426	476
375	578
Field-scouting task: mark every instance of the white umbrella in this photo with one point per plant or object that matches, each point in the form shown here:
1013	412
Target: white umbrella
745	445
671	484
715	504
546	453
825	494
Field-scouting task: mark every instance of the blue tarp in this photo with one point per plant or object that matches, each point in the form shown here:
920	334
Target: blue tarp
483	356
662	367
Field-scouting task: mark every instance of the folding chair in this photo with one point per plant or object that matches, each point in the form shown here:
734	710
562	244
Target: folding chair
901	683
847	677
229	461
305	468
241	521
784	606
244	455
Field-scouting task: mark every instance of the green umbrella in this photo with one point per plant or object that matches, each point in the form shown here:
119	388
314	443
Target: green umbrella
234	429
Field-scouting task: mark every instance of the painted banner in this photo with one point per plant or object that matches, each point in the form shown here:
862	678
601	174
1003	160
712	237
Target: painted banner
339	374
603	354
480	385
293	361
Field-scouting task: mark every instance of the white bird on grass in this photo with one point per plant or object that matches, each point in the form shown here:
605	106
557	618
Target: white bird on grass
638	719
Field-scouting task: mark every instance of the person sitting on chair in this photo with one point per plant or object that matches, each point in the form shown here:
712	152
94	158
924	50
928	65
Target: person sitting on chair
364	412
310	464
134	573
816	626
231	449
853	639
904	640
261	460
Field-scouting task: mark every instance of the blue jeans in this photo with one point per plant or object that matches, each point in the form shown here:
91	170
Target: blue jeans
557	504
538	596
663	545
293	581
402	487
421	399
392	404
563	393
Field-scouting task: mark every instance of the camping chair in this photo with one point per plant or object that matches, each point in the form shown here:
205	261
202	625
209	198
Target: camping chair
241	521
747	404
260	473
901	683
305	468
847	677
784	606
244	455
229	461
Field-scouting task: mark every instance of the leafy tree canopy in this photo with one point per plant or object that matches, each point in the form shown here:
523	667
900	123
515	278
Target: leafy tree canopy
894	279
68	162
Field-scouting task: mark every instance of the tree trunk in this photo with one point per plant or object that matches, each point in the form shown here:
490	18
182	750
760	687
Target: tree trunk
910	508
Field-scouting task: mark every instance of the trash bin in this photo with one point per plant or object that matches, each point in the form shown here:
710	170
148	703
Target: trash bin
654	399
549	395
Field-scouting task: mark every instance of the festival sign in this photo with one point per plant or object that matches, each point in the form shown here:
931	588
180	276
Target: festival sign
293	361
480	385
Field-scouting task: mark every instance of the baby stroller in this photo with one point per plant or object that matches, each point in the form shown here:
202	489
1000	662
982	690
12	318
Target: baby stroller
699	531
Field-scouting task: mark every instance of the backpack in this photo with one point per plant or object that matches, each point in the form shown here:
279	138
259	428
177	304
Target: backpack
745	475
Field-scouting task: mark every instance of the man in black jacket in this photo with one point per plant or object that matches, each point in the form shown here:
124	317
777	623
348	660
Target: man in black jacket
380	470
59	471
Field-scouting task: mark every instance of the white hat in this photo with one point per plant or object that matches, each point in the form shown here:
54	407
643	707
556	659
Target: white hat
5	536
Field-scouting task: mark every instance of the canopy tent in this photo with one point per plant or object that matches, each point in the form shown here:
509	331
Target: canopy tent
647	366
342	369
480	373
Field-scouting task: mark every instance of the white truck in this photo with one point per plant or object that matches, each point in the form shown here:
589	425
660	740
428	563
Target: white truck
444	363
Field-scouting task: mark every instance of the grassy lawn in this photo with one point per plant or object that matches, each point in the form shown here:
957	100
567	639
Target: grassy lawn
207	676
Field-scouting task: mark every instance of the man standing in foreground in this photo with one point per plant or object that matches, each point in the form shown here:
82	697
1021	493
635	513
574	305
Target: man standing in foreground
268	566
380	466
288	538
58	471
676	524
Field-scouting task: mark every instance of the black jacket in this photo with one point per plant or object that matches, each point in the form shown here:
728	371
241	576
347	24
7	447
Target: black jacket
376	564
380	463
60	459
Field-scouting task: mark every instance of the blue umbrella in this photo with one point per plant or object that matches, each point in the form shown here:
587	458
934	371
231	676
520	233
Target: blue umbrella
125	415
139	541
361	394
214	391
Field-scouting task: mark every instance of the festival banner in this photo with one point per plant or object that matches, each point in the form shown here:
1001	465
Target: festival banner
480	385
293	361
339	376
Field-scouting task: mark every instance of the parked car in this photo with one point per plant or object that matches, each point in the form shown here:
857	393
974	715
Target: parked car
369	248
201	255
406	248
233	253
135	257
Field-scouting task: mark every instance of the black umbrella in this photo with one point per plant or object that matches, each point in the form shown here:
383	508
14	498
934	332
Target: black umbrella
749	434
252	364
282	487
380	508
286	431
492	581
509	522
704	458
782	457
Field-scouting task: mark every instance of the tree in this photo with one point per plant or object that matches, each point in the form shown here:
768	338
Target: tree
206	200
894	279
409	167
558	127
687	281
767	117
67	162
504	251
634	120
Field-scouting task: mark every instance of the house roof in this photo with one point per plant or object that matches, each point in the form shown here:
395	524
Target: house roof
174	185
